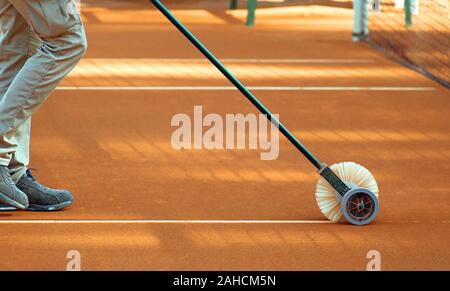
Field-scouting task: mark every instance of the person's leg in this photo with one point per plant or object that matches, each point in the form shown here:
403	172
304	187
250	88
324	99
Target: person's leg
14	49
63	45
56	24
20	158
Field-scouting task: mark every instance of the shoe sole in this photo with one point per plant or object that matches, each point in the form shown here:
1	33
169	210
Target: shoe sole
5	199
34	207
54	207
7	208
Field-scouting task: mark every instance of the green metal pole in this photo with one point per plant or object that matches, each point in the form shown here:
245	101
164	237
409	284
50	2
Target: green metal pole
408	13
233	4
251	7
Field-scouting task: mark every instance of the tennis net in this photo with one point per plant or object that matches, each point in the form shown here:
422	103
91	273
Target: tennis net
415	32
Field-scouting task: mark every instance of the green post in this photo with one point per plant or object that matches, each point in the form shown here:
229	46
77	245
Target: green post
251	7
408	12
233	4
360	20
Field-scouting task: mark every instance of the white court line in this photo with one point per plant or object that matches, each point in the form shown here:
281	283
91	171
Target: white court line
131	221
175	221
235	60
231	88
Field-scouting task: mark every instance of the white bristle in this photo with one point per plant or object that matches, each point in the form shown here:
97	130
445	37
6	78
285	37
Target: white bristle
349	172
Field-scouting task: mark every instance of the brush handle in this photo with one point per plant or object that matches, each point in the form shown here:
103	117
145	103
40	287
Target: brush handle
319	165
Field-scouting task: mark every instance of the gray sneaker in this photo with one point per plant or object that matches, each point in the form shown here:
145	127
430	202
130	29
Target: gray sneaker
43	198
9	192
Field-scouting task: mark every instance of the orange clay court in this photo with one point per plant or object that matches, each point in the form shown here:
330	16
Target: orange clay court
141	205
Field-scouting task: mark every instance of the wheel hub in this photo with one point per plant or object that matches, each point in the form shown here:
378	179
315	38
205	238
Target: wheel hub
360	206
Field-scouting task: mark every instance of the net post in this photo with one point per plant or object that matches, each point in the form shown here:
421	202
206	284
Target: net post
251	7
408	12
360	20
